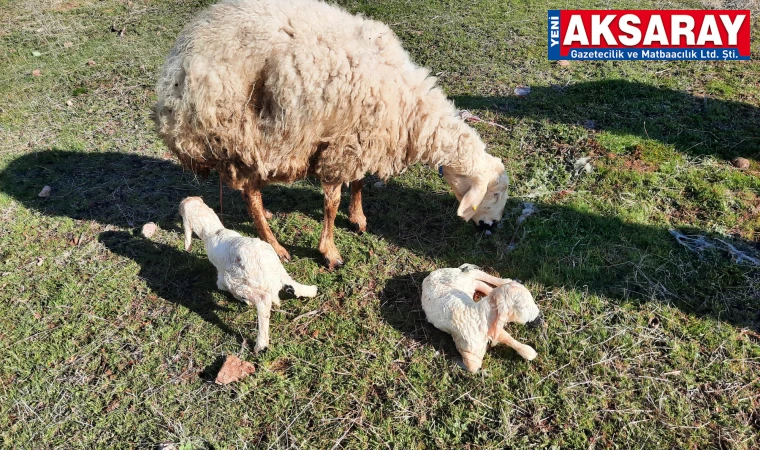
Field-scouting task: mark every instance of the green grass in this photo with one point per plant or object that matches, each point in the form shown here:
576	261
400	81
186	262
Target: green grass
111	340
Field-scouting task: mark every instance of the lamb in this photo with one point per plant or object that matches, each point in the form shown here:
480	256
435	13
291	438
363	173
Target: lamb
272	91
447	299
248	268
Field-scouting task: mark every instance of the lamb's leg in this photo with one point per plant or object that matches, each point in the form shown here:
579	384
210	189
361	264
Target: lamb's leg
490	279
471	361
526	351
263	310
252	197
326	243
482	287
355	211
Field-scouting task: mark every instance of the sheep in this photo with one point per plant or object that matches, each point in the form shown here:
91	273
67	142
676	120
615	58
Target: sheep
447	299
248	268
272	91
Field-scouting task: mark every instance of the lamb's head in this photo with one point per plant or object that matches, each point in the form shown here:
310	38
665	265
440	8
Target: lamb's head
515	304
483	194
198	217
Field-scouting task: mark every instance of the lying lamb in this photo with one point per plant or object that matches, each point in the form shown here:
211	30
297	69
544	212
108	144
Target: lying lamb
272	91
447	298
248	268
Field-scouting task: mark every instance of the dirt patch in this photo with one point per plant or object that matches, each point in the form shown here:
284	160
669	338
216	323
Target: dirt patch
66	6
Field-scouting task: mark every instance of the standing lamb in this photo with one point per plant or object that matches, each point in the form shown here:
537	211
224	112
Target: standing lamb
272	91
447	299
248	268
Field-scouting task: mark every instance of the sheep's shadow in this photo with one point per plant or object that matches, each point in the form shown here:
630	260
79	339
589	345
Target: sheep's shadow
694	124
560	246
176	276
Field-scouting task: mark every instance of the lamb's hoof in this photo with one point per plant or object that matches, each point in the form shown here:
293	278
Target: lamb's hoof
333	264
288	289
260	349
528	353
268	214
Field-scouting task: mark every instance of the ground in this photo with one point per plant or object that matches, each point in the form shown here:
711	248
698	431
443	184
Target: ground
108	339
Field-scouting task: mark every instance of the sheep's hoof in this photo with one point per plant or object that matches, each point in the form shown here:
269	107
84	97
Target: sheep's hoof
260	349
333	264
268	214
360	226
282	253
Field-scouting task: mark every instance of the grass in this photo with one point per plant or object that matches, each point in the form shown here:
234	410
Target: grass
111	340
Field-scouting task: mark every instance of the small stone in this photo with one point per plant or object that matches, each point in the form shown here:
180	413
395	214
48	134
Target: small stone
67	44
36	73
564	63
233	370
741	163
149	229
522	91
91	63
69	103
379	185
45	192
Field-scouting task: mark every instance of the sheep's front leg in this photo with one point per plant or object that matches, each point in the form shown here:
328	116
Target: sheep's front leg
355	211
526	351
255	205
326	242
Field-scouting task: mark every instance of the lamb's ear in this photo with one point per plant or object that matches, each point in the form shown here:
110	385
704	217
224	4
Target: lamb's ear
188	233
469	204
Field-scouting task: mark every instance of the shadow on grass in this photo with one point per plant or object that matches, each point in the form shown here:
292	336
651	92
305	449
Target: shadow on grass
174	275
694	124
559	246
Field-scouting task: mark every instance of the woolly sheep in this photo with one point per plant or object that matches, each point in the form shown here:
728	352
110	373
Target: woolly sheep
447	299
272	91
248	268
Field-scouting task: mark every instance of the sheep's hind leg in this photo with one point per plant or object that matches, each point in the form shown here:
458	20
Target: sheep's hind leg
326	242
252	197
355	211
526	351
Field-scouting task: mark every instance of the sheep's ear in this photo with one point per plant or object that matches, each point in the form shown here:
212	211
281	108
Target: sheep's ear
469	204
188	233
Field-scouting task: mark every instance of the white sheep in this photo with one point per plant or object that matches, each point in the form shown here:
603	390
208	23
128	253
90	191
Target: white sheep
248	268
447	299
269	91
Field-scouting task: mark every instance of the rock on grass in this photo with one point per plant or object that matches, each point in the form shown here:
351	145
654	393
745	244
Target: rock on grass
233	370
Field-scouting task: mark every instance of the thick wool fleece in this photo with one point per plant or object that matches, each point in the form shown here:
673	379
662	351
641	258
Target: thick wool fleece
264	90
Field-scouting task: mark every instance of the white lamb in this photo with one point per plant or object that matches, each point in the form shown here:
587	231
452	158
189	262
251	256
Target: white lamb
248	268
447	298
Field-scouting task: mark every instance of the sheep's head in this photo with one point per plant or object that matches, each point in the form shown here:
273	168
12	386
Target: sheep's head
483	195
515	304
